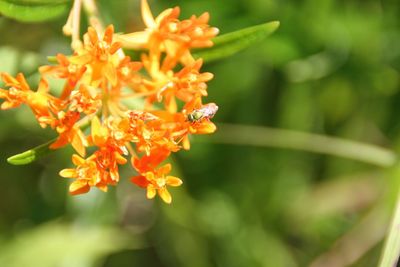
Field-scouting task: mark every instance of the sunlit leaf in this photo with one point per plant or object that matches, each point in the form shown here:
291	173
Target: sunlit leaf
391	250
33	10
41	2
234	42
64	245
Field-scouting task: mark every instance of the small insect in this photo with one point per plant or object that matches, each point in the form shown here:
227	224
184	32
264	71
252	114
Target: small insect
205	112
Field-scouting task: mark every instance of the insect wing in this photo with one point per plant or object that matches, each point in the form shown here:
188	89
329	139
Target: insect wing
209	110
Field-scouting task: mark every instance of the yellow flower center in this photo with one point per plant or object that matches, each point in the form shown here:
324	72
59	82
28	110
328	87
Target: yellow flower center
72	68
125	71
161	182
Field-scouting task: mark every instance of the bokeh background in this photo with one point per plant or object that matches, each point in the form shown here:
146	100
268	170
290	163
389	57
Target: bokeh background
332	68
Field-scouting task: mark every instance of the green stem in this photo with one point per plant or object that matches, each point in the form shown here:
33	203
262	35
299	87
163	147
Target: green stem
35	153
269	137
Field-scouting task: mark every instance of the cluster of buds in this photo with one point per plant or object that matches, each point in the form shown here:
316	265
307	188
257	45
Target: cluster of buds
101	83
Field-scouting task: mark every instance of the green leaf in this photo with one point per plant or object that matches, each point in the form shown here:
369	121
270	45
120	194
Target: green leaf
39	2
259	136
30	155
391	249
33	10
231	43
60	244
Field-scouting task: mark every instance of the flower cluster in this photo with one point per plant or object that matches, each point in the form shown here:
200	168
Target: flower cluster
136	112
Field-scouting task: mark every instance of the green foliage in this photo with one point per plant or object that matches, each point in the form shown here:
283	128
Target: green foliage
39	2
231	43
228	44
33	10
30	155
391	250
64	244
322	72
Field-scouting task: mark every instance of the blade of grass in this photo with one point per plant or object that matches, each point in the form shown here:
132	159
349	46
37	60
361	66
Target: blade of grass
391	250
289	139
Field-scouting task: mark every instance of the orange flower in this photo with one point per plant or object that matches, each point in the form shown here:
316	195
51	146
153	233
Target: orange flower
156	182
127	72
100	84
69	132
151	161
167	33
101	168
86	100
86	175
65	70
187	84
19	92
181	126
110	150
140	40
99	56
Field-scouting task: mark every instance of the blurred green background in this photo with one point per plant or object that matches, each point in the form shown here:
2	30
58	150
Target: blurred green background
331	68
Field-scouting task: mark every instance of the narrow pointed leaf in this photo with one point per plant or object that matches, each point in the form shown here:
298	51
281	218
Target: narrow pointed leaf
231	43
30	155
41	2
391	249
33	10
290	139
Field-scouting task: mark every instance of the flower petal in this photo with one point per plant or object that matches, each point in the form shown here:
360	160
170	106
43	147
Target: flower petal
120	159
186	142
94	38
110	73
134	40
147	17
77	160
165	195
173	181
79	187
151	192
78	142
81	59
149	176
102	187
108	34
22	81
99	133
61	141
43	86
68	173
206	127
140	181
165	169
8	79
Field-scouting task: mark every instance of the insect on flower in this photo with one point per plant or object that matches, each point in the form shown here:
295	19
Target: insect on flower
99	82
205	112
